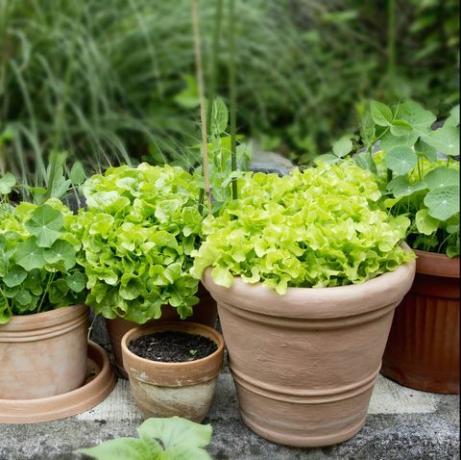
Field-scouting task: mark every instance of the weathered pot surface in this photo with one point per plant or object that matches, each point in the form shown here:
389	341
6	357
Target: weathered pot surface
305	363
423	347
205	312
168	389
43	354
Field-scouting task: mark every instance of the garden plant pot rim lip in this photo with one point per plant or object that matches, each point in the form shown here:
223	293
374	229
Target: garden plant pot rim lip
54	317
312	303
177	326
427	263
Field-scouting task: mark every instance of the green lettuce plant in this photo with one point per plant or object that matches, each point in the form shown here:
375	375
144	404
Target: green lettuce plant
38	251
315	228
416	169
172	438
138	231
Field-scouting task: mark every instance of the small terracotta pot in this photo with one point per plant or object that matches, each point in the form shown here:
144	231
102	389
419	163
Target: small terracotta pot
423	347
305	363
44	354
168	389
205	312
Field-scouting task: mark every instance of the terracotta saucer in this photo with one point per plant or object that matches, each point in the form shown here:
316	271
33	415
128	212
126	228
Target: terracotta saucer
100	381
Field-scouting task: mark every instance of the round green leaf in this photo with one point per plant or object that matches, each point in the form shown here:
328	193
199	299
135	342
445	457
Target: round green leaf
443	202
15	276
426	224
401	160
29	256
76	281
342	146
45	223
416	115
61	251
441	177
444	139
400	128
381	113
7	183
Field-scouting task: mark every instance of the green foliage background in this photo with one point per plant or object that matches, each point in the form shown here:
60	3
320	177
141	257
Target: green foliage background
111	81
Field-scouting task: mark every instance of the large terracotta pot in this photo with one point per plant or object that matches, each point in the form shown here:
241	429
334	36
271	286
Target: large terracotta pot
305	363
205	312
44	354
423	347
174	389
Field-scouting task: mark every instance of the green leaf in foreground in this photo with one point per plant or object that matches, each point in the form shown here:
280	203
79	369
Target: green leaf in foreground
443	202
426	224
7	183
441	177
400	187
444	139
381	113
343	146
123	449
46	224
401	160
29	256
77	174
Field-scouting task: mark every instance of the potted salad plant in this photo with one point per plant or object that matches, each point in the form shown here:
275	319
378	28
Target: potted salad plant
418	170
307	270
43	321
137	231
173	368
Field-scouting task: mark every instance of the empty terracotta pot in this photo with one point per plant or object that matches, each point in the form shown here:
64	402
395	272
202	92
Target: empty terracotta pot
168	389
305	363
423	347
44	354
205	312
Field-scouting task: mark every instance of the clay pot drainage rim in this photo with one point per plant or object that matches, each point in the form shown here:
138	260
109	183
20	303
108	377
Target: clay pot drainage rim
190	328
95	389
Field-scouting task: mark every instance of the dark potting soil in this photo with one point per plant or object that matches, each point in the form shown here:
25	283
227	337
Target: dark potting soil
172	347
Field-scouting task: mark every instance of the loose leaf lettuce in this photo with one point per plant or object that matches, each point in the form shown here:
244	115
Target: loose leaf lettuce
317	228
138	233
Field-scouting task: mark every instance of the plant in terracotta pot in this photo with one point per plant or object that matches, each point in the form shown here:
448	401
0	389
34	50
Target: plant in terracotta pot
307	270
173	368
419	179
138	230
43	322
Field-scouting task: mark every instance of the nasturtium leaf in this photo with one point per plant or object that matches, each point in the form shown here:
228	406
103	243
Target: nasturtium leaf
60	252
15	276
29	256
416	116
76	281
453	119
328	158
381	113
443	202
77	173
124	449
46	224
441	177
400	128
389	141
401	186
425	223
401	160
23	297
7	183
444	139
342	146
426	151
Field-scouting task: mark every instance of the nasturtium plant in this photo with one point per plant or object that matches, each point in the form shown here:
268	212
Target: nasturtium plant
138	231
172	438
320	227
417	171
38	252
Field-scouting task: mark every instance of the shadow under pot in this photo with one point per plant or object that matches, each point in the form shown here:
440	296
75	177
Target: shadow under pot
205	312
305	363
43	354
173	368
423	347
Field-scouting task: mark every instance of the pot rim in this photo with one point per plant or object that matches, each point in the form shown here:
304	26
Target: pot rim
317	303
213	334
436	264
36	321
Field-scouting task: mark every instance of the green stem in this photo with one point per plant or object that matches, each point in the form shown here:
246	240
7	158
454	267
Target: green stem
233	96
214	58
45	292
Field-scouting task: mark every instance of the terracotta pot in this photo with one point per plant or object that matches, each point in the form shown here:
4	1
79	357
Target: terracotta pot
205	312
44	354
168	389
423	347
305	363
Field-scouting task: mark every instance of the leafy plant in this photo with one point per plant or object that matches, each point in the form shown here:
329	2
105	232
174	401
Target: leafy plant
138	232
418	175
317	228
159	439
38	250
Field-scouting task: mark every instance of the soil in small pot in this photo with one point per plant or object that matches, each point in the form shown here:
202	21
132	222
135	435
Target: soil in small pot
172	347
